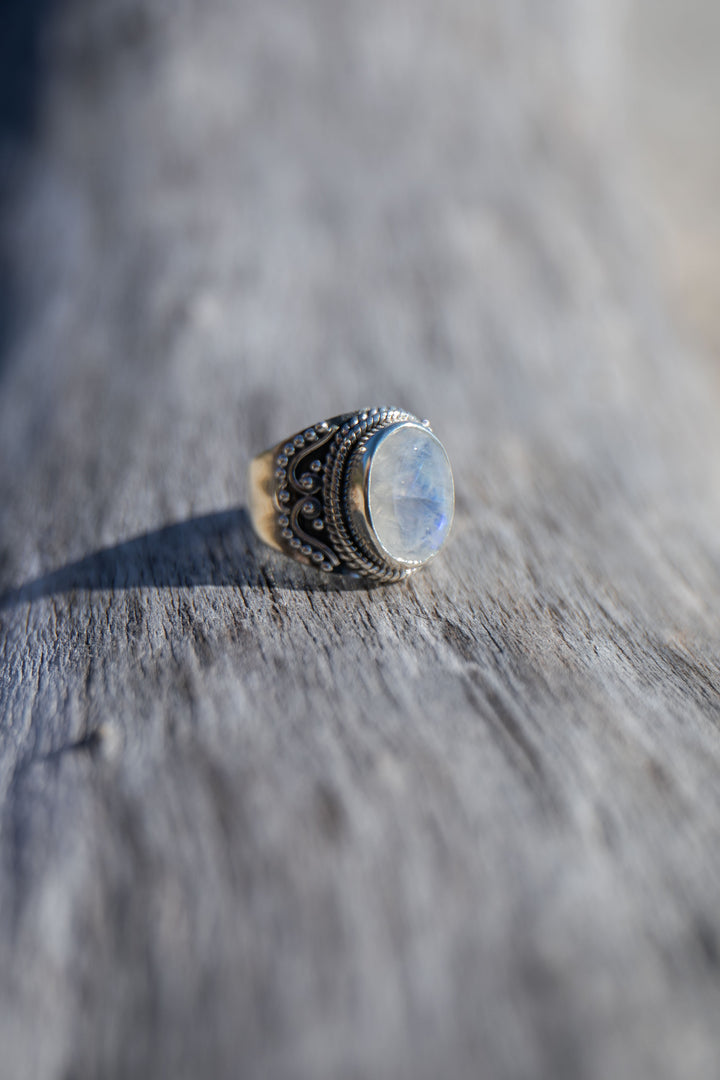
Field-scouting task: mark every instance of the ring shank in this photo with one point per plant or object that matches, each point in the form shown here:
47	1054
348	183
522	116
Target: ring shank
261	502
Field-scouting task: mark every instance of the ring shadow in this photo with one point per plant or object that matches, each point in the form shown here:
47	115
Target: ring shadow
215	549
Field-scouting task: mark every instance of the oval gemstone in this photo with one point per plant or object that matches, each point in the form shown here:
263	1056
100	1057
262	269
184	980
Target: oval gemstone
410	493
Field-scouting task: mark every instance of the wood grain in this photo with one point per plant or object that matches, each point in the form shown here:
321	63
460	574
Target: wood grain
252	825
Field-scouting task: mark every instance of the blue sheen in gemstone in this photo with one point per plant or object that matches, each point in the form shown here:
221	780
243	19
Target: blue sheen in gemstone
410	493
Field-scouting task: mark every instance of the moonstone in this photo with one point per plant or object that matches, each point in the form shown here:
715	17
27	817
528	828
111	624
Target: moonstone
410	493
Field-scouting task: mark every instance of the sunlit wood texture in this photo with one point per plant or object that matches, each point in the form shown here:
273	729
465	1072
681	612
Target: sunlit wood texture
251	826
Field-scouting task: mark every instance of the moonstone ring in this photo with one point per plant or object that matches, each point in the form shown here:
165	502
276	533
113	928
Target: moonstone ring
368	493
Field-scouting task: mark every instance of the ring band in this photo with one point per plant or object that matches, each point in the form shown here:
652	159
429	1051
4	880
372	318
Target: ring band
368	493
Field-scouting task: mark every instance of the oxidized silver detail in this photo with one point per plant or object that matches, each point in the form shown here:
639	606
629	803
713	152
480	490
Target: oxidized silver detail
346	540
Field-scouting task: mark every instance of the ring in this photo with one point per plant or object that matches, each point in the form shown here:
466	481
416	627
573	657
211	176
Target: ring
368	493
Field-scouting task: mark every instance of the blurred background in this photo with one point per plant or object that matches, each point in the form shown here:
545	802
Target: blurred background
670	96
650	66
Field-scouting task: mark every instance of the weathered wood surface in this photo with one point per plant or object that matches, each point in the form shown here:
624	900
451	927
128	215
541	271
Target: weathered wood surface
251	826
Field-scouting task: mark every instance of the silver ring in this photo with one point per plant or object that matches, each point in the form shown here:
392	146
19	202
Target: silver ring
368	493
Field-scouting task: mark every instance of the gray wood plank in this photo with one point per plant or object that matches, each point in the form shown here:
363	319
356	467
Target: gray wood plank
254	825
